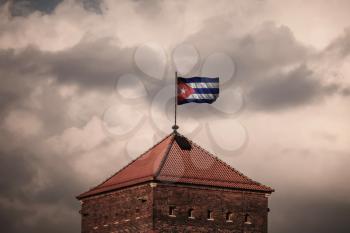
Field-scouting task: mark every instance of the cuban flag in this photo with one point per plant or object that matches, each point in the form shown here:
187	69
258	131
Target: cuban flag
197	90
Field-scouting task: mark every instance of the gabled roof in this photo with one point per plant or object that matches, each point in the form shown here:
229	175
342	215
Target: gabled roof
177	159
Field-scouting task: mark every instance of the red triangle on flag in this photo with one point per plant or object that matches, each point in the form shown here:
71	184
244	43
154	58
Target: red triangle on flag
184	91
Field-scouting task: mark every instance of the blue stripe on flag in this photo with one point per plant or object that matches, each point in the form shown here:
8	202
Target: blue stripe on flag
199	80
201	101
206	90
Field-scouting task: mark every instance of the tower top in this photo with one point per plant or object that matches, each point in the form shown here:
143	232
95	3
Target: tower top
177	159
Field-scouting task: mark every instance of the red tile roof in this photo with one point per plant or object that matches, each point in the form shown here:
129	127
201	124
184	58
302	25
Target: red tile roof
170	162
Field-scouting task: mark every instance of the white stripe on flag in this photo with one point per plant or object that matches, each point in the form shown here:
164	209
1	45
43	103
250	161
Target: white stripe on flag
202	96
204	85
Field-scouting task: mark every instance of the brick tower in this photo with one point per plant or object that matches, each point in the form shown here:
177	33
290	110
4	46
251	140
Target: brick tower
176	186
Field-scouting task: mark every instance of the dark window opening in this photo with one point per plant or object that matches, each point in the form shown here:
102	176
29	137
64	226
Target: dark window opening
247	219
229	217
143	199
105	219
190	213
210	215
172	211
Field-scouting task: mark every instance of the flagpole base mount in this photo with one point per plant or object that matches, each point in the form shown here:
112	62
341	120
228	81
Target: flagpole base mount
175	127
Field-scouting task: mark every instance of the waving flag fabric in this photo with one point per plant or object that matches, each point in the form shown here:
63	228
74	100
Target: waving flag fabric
197	90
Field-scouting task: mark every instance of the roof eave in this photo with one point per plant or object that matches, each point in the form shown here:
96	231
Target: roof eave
268	189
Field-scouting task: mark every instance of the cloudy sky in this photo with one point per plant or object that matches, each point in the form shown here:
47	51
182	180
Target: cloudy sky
86	86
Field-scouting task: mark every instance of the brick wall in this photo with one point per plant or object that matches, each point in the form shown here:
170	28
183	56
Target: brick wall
126	210
144	208
220	202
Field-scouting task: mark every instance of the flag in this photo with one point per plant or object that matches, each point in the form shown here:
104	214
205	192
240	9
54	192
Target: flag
197	90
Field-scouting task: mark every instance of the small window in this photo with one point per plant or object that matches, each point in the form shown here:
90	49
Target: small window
172	211
142	199
247	219
190	213
105	219
210	215
229	217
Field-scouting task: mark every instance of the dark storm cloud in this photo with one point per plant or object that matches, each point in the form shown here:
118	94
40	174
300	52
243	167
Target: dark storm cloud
93	5
341	45
261	58
318	215
268	51
6	100
26	7
346	91
21	176
12	221
20	74
97	63
23	198
10	218
93	66
271	47
268	47
30	163
297	87
23	166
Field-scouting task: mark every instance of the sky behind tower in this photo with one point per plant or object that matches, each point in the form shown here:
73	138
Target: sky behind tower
70	115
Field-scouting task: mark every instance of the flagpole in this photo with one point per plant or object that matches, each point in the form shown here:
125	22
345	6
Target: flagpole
175	126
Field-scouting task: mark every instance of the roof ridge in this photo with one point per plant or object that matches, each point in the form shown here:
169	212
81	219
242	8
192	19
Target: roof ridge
165	157
127	165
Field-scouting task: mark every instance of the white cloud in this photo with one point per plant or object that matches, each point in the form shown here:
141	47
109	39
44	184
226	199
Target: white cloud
22	123
78	140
